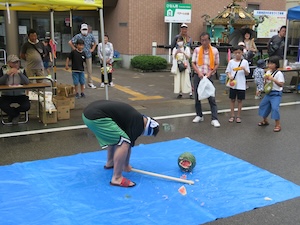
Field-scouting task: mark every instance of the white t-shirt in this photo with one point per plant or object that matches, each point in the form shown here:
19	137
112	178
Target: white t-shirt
240	75
278	76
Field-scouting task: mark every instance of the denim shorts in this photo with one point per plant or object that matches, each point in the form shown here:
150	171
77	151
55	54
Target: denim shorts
78	78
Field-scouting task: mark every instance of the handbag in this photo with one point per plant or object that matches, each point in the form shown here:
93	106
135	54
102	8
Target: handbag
181	66
232	83
41	53
269	85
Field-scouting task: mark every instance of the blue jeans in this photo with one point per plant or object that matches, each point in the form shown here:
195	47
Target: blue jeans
270	104
78	77
211	100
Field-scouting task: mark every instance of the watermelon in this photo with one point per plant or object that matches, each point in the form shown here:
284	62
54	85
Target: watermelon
182	190
186	162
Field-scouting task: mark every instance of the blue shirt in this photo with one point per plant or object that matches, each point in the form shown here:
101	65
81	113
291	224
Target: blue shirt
89	41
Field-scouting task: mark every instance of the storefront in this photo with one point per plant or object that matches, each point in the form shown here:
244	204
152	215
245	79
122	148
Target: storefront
63	30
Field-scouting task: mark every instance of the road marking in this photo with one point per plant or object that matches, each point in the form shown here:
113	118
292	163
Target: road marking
136	95
51	130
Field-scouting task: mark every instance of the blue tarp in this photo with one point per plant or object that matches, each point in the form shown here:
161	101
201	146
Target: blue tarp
294	13
75	190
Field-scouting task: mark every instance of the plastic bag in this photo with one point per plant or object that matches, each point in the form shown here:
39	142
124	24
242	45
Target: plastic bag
205	89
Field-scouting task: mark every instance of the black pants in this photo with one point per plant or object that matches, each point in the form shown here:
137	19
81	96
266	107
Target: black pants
109	77
12	112
211	100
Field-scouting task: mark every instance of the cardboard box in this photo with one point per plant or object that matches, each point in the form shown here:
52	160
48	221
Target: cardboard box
66	90
61	101
63	112
49	117
72	102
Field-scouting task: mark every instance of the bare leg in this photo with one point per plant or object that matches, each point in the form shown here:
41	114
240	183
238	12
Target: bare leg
232	103
110	156
76	88
82	88
127	167
120	158
240	104
277	123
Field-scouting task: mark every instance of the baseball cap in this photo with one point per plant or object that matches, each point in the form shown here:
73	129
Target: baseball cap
84	26
13	58
184	25
261	63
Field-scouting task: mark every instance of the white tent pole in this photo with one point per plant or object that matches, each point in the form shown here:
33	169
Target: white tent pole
286	43
71	23
52	37
170	41
103	51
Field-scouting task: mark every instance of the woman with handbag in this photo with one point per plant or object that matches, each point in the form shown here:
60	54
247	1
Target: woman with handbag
181	68
109	53
274	80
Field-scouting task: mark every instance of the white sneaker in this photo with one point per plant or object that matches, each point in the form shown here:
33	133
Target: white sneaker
257	97
111	84
198	119
102	85
92	85
215	123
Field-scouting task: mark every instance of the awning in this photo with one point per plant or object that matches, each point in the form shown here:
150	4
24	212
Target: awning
47	5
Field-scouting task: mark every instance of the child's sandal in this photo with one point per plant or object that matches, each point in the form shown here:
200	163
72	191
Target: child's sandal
277	129
263	123
238	120
231	119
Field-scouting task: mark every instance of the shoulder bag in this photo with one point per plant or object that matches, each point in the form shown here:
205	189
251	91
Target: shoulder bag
269	85
232	83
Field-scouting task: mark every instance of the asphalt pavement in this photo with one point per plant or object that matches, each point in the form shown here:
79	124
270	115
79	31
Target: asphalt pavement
151	93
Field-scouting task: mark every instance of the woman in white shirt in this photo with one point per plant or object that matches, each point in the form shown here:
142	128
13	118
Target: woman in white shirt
182	81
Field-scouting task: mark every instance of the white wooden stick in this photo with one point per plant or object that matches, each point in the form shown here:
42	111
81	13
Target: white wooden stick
163	176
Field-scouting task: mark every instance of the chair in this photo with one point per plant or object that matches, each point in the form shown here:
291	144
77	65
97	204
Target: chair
24	117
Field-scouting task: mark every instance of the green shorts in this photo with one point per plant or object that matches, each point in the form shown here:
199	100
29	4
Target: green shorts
106	131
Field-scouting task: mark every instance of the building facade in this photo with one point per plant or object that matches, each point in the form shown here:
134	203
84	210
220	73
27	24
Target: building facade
132	25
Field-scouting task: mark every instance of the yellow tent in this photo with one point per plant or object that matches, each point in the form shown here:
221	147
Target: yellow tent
58	5
47	5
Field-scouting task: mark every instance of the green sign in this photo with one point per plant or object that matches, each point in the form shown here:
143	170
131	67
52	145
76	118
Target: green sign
178	13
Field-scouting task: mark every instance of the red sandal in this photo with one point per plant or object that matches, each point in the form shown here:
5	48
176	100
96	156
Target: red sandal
124	183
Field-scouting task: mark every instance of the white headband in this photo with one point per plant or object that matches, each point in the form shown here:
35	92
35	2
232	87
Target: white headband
149	128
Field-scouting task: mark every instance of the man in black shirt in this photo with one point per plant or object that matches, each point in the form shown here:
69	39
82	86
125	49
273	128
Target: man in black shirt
276	43
117	125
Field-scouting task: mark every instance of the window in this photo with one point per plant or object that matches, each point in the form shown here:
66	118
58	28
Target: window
252	7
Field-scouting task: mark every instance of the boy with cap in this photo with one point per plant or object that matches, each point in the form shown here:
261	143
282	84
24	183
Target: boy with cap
11	74
89	47
258	75
117	125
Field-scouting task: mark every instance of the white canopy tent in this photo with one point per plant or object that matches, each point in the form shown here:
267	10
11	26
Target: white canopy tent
58	5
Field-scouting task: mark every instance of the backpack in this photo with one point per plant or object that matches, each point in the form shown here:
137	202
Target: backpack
273	47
